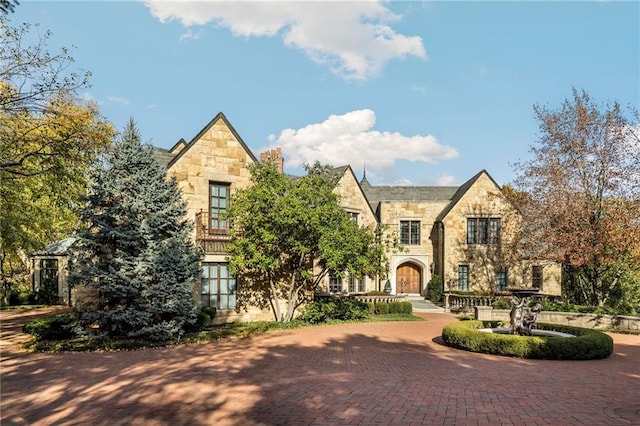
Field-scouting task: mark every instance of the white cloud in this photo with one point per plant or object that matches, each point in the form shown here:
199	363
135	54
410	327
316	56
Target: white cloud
446	180
349	139
189	35
353	38
118	99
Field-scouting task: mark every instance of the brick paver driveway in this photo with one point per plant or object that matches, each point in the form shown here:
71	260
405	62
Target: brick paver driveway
380	373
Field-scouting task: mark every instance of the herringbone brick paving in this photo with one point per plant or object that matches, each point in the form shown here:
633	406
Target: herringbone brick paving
395	373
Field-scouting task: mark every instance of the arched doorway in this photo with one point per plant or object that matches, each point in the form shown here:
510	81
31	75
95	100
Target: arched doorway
408	278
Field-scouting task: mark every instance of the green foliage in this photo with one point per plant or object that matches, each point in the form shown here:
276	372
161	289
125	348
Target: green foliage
49	139
288	234
587	344
400	308
371	307
21	295
502	303
136	252
382	308
58	327
435	289
376	293
340	309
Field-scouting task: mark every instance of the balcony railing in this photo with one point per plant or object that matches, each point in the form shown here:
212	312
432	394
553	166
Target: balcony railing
212	241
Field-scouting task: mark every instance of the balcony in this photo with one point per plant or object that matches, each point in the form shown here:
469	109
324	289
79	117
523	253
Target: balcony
212	241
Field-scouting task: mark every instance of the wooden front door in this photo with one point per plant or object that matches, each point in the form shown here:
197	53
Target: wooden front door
408	278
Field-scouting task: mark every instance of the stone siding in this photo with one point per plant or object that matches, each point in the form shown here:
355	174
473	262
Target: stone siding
216	157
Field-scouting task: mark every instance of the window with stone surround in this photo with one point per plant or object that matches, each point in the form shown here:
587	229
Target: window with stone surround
218	204
501	279
218	286
537	276
335	283
483	230
410	232
463	277
356	285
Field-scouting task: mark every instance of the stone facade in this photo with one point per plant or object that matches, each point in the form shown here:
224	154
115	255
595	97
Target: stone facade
435	219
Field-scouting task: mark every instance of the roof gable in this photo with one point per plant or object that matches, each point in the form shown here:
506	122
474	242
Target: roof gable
205	129
462	190
344	171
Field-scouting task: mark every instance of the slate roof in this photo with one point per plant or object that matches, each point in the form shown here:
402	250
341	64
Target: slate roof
163	156
59	248
376	194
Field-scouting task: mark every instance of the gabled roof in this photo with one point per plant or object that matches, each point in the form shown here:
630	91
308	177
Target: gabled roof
463	190
179	146
196	138
341	171
59	248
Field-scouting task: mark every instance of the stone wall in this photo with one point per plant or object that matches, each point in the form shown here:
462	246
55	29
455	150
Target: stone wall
597	321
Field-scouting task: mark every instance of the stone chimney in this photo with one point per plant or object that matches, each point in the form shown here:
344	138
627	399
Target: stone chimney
274	156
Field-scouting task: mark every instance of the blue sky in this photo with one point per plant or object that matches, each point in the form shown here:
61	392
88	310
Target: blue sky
423	93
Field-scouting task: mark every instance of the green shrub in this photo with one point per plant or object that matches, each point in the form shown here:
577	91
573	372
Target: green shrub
59	327
382	308
21	294
588	344
434	289
376	293
209	310
334	309
371	307
400	308
501	303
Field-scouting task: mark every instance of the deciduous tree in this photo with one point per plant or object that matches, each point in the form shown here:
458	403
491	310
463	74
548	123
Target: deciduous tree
582	186
135	255
49	138
289	233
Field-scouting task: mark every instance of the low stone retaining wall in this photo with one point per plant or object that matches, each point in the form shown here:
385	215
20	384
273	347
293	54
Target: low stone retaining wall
596	321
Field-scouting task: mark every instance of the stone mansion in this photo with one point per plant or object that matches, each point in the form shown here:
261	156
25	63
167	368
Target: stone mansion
448	231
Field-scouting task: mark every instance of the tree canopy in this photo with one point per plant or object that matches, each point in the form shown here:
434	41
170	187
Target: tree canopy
289	233
49	139
135	256
581	193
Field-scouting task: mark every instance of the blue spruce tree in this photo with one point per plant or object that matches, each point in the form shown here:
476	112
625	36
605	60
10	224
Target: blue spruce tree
135	256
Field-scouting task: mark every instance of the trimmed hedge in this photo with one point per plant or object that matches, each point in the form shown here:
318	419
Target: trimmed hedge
334	309
588	344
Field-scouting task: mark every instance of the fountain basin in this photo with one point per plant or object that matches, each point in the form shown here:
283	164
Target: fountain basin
534	332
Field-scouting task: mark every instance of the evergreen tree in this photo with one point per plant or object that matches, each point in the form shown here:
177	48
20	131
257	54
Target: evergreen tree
135	256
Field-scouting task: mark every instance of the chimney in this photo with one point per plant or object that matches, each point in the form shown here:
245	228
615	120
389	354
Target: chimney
273	156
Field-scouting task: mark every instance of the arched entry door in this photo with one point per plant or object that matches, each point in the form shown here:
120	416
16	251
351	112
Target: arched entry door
408	278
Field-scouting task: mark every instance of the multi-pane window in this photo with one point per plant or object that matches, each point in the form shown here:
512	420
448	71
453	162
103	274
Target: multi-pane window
356	285
49	276
501	280
410	232
353	216
335	284
218	204
536	276
218	286
463	277
483	230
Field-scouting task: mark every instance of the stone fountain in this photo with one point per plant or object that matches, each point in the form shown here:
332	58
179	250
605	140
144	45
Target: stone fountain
522	316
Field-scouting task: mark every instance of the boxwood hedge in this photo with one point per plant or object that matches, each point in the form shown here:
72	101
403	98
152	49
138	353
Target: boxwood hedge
588	344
